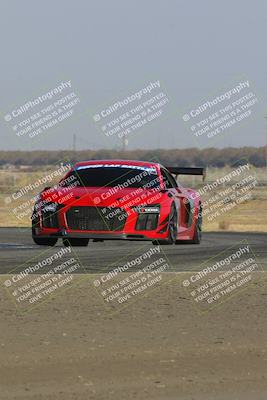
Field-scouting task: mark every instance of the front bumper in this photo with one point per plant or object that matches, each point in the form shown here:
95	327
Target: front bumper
101	236
68	225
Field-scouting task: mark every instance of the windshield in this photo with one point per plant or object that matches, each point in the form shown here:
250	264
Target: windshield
111	176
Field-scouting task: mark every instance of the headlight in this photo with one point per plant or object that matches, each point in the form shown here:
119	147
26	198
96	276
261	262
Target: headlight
49	214
49	207
152	209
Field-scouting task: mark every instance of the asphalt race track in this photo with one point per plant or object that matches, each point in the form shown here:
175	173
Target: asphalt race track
17	250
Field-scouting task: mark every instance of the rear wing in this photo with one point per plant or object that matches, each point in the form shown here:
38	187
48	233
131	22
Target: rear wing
187	171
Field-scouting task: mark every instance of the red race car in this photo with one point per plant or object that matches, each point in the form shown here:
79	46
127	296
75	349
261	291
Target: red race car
118	199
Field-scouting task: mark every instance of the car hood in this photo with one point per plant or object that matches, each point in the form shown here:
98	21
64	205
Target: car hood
106	197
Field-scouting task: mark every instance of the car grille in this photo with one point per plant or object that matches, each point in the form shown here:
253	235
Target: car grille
96	218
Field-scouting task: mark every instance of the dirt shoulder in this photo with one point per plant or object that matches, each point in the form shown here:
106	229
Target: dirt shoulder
159	347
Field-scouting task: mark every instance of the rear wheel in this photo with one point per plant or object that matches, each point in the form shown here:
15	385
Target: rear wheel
198	228
197	232
172	228
75	242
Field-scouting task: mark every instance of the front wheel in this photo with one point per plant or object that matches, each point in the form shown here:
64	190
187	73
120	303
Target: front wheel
75	242
41	241
44	241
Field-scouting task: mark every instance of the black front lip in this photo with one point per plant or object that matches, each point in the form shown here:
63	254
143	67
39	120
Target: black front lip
104	236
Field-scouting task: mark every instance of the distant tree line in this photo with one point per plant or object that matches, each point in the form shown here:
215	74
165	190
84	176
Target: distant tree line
186	157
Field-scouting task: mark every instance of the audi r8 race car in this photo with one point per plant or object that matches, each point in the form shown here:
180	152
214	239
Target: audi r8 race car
118	199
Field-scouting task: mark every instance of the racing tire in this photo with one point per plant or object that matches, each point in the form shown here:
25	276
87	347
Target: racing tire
82	242
172	228
197	232
44	241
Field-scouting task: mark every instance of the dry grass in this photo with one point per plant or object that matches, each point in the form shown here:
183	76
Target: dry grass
10	183
248	217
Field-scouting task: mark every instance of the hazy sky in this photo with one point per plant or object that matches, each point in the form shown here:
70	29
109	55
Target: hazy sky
111	49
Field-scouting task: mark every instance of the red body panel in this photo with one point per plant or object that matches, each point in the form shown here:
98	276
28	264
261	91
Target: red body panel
126	198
